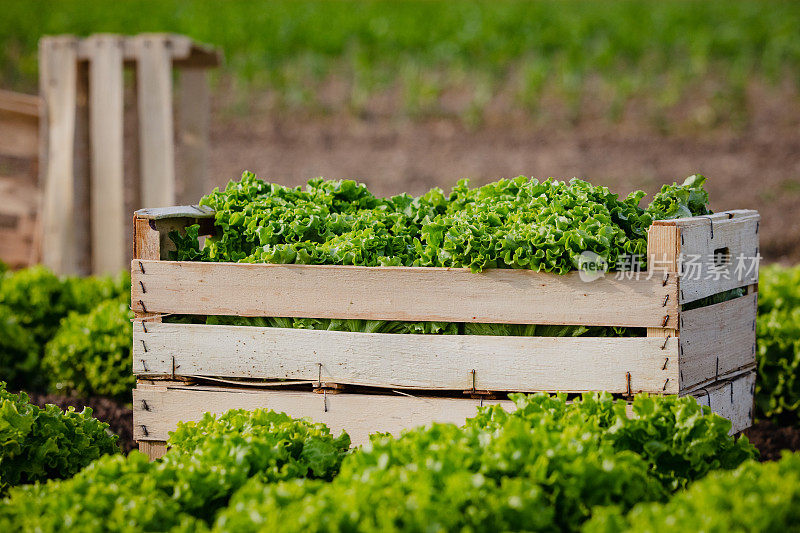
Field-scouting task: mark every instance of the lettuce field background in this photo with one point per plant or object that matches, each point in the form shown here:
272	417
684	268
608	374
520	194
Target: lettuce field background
405	96
615	50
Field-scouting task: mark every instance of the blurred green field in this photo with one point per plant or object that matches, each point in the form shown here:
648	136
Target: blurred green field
428	52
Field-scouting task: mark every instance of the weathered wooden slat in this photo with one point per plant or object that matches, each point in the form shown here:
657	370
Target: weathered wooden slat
730	398
180	211
20	103
358	414
153	449
19	134
158	409
184	52
733	236
108	187
58	73
662	244
526	364
154	98
64	162
717	339
400	293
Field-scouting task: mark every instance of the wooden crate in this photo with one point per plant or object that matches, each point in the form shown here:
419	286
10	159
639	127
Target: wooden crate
19	193
390	381
18	222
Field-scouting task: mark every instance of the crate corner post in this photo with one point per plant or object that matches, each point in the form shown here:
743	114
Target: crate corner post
146	246
663	242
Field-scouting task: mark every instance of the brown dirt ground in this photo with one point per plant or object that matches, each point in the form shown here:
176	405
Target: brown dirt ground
118	416
771	440
755	165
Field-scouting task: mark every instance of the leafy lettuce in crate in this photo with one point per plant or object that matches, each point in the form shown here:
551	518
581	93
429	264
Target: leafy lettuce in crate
511	223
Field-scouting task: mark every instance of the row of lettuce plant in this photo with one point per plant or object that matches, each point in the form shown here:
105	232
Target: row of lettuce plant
543	467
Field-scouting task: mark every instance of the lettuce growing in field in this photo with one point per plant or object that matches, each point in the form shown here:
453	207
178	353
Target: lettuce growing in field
543	467
114	493
207	462
37	444
40	299
778	334
91	353
19	352
753	498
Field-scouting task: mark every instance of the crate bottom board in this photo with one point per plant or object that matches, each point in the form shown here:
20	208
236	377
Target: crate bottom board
159	408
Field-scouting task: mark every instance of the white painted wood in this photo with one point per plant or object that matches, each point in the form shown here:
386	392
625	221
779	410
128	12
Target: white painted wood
734	231
717	339
400	293
358	414
194	103
154	98
526	364
108	217
732	399
58	83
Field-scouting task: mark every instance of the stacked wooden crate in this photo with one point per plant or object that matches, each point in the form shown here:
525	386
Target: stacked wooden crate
110	143
368	382
19	193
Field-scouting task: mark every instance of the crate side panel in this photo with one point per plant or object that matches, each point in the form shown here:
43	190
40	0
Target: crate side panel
717	339
358	414
401	293
444	362
717	253
731	399
361	414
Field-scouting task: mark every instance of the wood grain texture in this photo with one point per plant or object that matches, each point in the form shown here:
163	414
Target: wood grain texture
717	339
400	293
362	414
108	217
525	364
662	253
735	233
731	398
153	449
154	98
180	211
146	242
58	83
358	414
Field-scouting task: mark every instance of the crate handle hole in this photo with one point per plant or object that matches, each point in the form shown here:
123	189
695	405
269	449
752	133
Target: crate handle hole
722	256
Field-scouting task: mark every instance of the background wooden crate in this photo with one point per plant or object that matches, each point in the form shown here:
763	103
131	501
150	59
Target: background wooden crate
685	352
